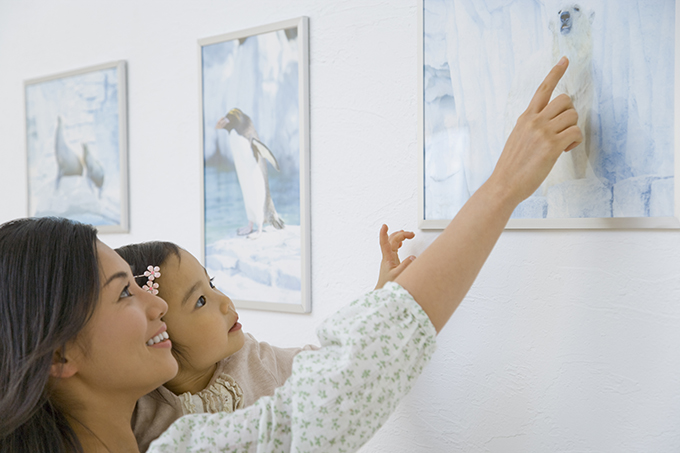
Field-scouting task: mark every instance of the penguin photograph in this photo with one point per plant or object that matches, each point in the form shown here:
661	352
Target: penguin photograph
250	161
76	159
254	165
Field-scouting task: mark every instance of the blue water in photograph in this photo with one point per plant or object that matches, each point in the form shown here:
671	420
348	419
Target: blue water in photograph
250	91
224	209
482	64
72	128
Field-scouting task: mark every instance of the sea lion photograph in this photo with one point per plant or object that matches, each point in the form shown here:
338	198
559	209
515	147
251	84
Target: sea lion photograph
76	148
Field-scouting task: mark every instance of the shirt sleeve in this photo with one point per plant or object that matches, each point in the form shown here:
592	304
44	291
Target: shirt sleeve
282	366
337	397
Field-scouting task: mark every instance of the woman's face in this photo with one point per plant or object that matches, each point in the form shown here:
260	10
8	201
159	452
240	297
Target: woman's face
200	318
114	351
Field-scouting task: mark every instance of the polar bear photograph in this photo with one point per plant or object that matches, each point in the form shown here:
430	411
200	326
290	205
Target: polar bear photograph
482	63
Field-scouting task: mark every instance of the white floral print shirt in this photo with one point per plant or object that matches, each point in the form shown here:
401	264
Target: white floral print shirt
337	397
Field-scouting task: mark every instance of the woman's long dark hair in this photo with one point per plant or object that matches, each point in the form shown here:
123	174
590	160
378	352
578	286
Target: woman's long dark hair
49	286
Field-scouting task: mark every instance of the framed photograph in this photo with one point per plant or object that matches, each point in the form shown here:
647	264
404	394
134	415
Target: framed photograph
254	92
76	140
480	64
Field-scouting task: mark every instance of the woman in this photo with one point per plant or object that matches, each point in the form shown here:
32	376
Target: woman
80	341
82	323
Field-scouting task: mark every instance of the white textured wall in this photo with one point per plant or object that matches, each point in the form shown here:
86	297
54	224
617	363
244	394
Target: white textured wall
569	341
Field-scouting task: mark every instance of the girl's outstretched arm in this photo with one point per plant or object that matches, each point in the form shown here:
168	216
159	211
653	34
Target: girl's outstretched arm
442	275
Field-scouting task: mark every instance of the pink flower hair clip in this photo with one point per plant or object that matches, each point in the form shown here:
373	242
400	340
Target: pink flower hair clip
152	272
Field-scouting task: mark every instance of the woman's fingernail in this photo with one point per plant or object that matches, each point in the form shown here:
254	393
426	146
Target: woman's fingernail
562	61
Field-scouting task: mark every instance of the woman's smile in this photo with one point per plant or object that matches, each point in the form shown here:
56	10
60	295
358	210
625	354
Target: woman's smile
161	339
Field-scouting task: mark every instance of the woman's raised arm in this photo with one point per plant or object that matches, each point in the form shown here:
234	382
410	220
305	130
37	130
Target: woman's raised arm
442	275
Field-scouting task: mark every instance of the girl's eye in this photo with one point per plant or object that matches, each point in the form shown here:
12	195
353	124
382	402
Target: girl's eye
212	285
201	302
126	292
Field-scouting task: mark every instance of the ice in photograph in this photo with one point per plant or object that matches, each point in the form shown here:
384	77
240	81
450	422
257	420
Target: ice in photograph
482	64
268	267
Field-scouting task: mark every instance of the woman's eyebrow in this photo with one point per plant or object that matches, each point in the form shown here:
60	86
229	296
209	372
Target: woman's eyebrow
120	274
189	293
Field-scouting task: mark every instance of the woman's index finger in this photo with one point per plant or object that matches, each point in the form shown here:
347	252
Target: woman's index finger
544	92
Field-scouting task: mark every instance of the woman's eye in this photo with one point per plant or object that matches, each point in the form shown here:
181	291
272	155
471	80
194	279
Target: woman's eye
201	302
126	292
212	285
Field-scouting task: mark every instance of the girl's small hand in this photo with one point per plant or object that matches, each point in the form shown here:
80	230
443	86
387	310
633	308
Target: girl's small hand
390	266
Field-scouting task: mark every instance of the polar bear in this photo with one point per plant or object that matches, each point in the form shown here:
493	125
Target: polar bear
571	29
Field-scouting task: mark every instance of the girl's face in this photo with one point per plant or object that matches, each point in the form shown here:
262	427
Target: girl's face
113	351
201	319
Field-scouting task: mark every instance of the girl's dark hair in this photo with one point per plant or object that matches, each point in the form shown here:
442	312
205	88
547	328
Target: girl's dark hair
49	287
153	253
145	254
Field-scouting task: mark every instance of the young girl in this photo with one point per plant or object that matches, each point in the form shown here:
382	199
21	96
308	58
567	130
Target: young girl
81	342
220	367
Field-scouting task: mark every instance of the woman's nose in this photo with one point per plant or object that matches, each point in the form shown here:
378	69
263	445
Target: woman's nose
157	307
224	307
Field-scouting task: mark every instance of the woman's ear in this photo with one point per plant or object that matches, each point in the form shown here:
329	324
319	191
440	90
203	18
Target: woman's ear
61	367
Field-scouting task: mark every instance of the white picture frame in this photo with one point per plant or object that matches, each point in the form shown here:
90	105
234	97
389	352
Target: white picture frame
482	52
76	146
259	76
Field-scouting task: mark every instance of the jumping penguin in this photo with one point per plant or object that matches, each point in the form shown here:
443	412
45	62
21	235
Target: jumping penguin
250	160
68	161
